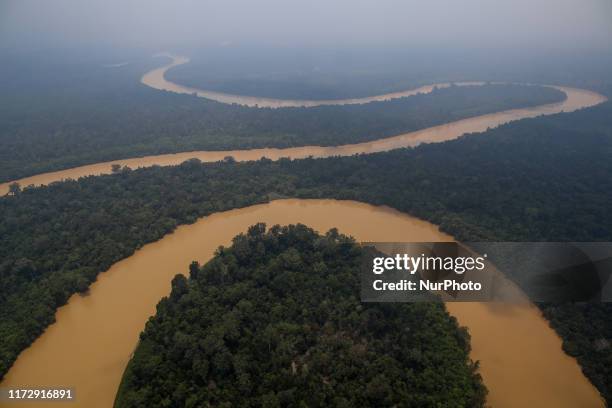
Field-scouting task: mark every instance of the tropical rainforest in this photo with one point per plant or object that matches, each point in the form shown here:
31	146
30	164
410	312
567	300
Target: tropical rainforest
276	320
538	179
85	113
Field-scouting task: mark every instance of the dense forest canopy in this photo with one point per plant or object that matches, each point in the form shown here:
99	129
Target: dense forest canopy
276	320
81	113
537	179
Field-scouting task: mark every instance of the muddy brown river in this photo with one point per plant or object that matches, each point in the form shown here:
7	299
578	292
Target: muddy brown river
521	359
576	99
522	362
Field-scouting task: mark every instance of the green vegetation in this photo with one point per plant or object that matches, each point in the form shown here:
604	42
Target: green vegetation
276	320
538	179
91	114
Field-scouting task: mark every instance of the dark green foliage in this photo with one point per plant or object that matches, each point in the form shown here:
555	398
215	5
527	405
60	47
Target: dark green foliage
54	245
94	114
538	179
276	320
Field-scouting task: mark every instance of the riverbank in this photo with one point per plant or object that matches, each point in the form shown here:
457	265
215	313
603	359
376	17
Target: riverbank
576	99
521	359
521	329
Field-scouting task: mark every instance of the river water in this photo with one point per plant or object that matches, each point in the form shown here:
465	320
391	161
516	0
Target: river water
156	79
576	99
522	362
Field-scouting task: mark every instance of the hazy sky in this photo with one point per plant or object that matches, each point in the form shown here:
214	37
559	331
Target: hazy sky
555	24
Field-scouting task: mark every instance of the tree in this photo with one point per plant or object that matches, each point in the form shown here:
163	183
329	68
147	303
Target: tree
248	341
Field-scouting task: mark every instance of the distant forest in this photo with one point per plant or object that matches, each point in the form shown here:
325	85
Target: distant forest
538	179
276	320
350	73
64	116
278	75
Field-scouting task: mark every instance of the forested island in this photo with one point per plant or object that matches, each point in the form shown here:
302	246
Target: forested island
276	320
537	179
104	114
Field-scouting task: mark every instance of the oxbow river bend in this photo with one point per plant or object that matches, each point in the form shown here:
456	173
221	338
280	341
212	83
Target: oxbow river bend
575	99
522	362
521	359
156	79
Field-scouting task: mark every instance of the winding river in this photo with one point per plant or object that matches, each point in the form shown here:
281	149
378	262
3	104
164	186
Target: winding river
157	79
575	99
521	359
522	363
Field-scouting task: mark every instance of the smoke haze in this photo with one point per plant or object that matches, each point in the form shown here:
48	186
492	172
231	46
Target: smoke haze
533	24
